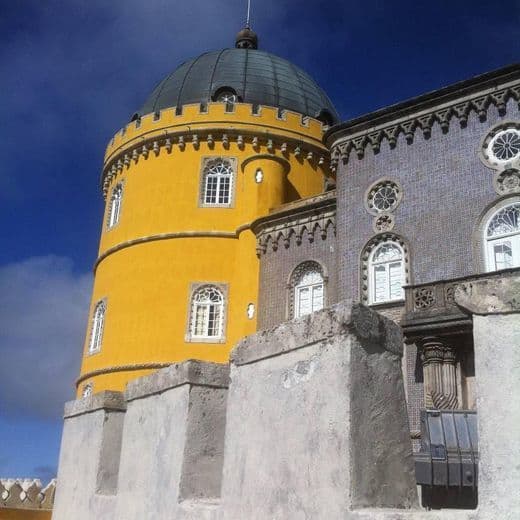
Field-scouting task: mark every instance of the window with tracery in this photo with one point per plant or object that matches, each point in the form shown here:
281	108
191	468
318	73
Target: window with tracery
98	324
383	197
114	209
502	235
207	313
307	289
505	146
386	273
217	183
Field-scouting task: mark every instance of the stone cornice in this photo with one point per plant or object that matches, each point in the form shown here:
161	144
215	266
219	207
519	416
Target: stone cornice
441	107
172	140
296	222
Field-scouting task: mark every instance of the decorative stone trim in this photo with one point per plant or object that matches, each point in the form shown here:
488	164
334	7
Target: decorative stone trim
383	223
306	220
121	368
374	190
171	141
372	244
507	182
406	119
486	154
168	236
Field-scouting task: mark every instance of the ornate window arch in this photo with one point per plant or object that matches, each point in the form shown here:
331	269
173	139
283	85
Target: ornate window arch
306	289
207	314
114	207
217	187
97	327
501	237
384	269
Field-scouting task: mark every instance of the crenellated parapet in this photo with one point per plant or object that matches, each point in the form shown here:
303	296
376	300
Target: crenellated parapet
264	129
27	493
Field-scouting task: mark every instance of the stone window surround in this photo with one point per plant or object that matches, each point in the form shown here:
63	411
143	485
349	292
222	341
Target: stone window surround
485	157
109	227
194	287
383	180
364	263
295	274
104	301
205	160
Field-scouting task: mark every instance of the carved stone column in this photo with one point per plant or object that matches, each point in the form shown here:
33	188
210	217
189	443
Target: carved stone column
440	374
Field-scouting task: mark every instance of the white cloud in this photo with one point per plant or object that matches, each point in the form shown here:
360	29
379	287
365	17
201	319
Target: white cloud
43	315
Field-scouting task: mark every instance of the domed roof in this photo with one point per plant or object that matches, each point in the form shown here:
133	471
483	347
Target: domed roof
254	76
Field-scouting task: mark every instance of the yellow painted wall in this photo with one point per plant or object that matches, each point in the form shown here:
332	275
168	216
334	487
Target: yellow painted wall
147	284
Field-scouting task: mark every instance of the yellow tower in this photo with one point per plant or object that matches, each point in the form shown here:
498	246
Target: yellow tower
222	140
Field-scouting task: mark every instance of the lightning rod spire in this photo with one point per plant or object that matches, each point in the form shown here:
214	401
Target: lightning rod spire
248	19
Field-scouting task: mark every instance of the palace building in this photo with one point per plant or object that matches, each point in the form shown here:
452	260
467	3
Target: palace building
238	204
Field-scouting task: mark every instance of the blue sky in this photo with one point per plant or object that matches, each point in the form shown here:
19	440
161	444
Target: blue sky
72	72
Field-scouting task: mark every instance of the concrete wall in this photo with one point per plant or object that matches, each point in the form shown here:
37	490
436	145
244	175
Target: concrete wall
313	426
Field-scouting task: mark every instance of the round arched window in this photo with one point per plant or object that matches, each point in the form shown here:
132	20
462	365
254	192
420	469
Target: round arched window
386	273
502	235
307	289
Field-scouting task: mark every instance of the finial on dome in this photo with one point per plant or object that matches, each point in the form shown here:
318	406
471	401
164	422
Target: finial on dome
247	38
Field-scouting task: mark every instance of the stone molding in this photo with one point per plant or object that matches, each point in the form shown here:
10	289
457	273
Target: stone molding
120	368
293	224
107	400
174	141
26	493
191	372
337	320
403	120
168	236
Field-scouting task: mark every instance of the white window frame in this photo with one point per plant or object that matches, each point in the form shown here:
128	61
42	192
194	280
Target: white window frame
300	287
511	239
114	206
387	265
97	327
194	308
213	201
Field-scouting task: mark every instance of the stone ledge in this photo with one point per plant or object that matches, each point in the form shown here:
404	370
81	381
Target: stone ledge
339	319
192	372
490	296
107	400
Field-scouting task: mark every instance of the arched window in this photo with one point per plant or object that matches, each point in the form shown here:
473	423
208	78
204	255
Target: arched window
307	289
502	236
218	183
114	209
87	390
207	313
386	271
98	323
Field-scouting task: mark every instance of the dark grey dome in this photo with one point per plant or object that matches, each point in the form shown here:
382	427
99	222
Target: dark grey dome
254	76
